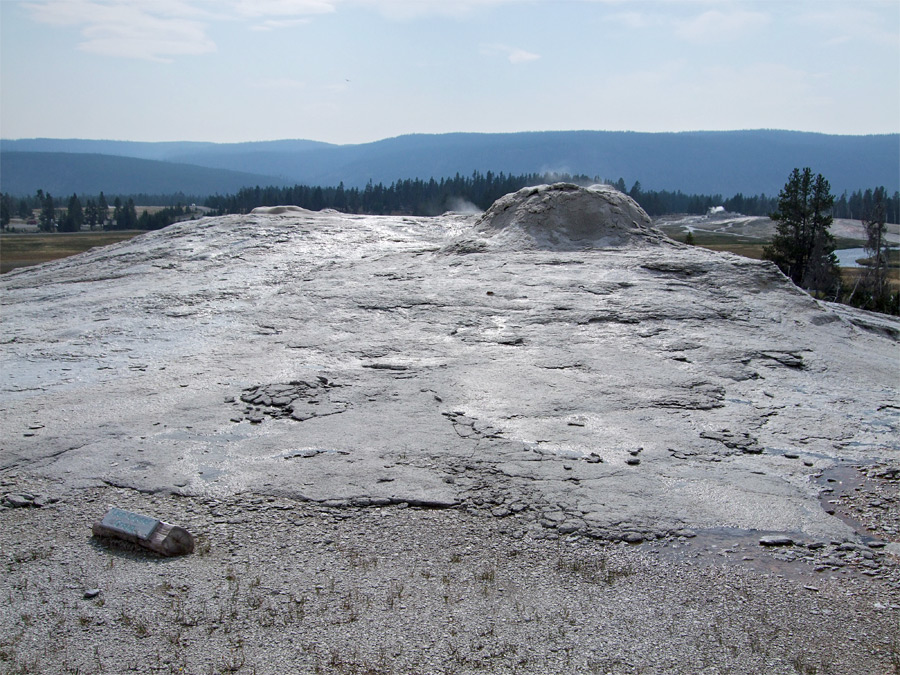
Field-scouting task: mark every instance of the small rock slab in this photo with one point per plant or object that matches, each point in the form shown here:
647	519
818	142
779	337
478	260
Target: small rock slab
306	452
776	540
570	526
18	501
299	400
163	538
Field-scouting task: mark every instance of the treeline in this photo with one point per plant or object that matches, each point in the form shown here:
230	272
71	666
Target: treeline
662	203
124	216
406	197
858	204
418	197
479	191
71	215
23	206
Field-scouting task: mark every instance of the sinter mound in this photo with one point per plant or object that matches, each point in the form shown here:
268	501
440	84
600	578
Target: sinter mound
565	216
279	211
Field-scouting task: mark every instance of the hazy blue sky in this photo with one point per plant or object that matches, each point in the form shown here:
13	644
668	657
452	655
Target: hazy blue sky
349	71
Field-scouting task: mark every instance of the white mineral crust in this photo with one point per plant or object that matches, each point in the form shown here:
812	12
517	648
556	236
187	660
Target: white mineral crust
362	359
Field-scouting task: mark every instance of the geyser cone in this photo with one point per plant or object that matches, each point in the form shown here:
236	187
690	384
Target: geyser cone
567	216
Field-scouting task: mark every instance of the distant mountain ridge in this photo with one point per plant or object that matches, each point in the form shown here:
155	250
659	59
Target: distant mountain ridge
703	162
63	173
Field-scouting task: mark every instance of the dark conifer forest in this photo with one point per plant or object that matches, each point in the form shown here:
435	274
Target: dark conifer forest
417	197
478	191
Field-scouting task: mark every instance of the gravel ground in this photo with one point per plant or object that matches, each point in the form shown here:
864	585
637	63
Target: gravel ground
279	586
873	497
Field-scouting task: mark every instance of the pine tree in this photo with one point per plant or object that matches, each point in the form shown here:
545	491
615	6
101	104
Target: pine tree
636	191
875	276
117	212
48	211
90	213
129	216
822	273
6	207
803	247
340	198
102	210
74	217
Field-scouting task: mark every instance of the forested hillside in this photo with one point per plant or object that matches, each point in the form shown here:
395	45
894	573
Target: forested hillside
23	173
706	162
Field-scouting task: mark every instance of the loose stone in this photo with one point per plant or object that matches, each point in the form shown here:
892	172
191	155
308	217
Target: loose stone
569	527
18	501
776	540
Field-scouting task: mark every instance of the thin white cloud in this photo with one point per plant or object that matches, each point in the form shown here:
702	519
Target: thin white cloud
413	9
521	56
154	30
283	13
159	30
275	24
718	26
282	8
514	55
73	12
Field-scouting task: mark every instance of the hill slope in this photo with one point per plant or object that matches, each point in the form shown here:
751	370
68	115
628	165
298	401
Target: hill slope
725	162
62	173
